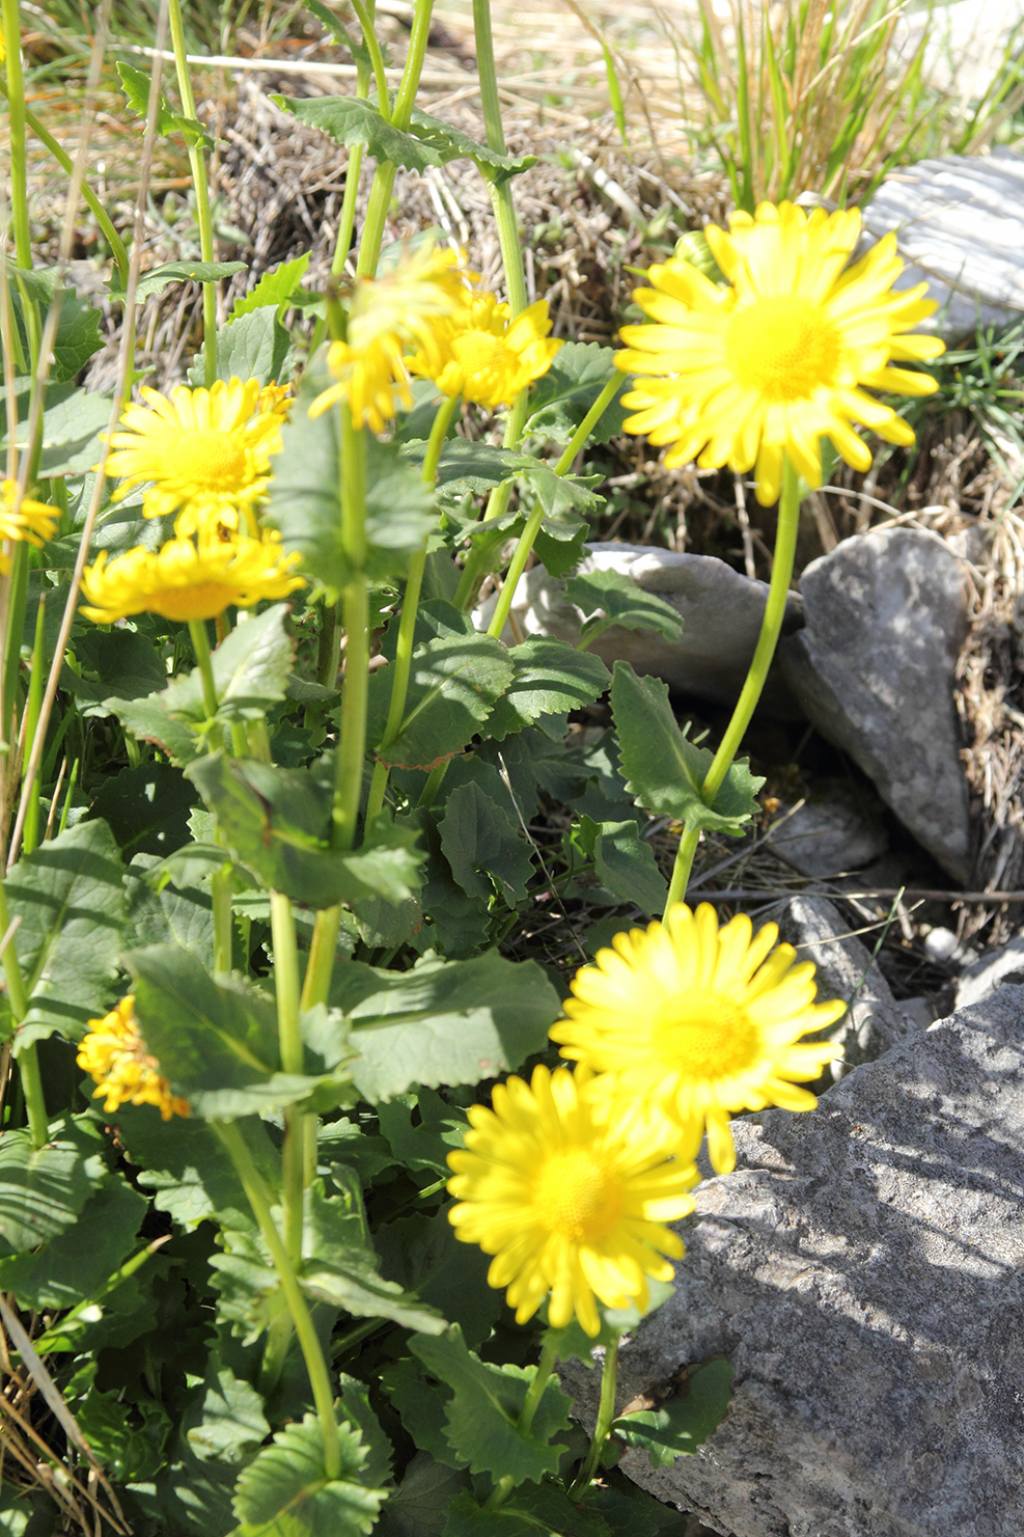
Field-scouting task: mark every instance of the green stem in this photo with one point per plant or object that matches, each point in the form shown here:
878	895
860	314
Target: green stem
355	604
531	1403
384	173
316	1366
757	676
220	882
407	624
501	193
16	134
365	18
605	1415
286	987
28	1061
347	221
204	214
204	661
33	705
118	250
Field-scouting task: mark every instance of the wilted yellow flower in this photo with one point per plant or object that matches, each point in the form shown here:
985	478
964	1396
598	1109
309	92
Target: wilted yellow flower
26	521
762	367
186	580
390	317
207	452
572	1207
488	357
698	1022
114	1054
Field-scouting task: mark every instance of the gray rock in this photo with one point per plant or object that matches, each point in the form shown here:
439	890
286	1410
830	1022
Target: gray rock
886	616
721	609
998	968
958	225
864	1271
874	1020
836	830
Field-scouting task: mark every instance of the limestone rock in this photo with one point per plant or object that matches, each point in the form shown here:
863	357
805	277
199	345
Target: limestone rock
874	1020
885	617
864	1271
958	225
838	829
998	968
721	610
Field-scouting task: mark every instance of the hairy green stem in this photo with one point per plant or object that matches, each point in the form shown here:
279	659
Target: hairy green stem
28	1061
757	676
220	881
33	705
384	173
407	624
204	213
605	1415
316	1366
16	134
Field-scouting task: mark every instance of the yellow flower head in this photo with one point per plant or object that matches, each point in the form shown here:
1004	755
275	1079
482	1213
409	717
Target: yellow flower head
699	1021
571	1206
26	521
389	317
114	1054
186	580
206	452
486	356
763	366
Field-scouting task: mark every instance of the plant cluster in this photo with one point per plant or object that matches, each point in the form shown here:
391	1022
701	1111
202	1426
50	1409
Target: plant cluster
289	1159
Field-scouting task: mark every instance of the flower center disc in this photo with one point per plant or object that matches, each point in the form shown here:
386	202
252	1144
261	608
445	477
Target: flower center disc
783	348
576	1196
477	351
707	1041
213	459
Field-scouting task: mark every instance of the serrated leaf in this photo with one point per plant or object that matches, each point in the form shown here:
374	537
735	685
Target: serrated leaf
481	1414
452	144
273	289
232	1424
420	1504
551	678
42	1189
252	347
355	1395
423	1255
286	1491
303	499
122	656
561	399
135	84
420	1406
613	596
454	683
484	846
534	1510
683	1422
342	1268
664	770
626	865
72	421
185	1168
68	898
158	278
444	1022
335	28
128	1437
78	334
65	1271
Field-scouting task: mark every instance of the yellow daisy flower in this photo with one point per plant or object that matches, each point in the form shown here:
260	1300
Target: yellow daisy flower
570	1206
389	317
779	356
185	580
487	356
699	1022
114	1054
207	452
26	521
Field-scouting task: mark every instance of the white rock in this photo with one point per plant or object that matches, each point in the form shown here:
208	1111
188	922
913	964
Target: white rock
996	969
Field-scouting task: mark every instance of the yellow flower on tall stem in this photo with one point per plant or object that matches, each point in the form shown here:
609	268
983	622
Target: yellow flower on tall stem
206	452
572	1206
114	1054
699	1021
758	369
390	317
187	579
24	521
488	356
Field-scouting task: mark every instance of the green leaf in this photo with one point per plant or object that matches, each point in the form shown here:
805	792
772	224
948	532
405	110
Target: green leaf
286	1491
232	1424
128	1437
43	1190
336	29
162	908
78	327
444	1022
452	144
73	419
184	1165
454	684
303	501
252	347
135	84
423	1255
551	678
420	1504
342	1268
561	399
68	899
535	1510
664	770
485	846
123	657
147	807
158	278
612	595
216	1042
683	1422
482	1412
355	1395
65	1271
626	865
273	289
420	1405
